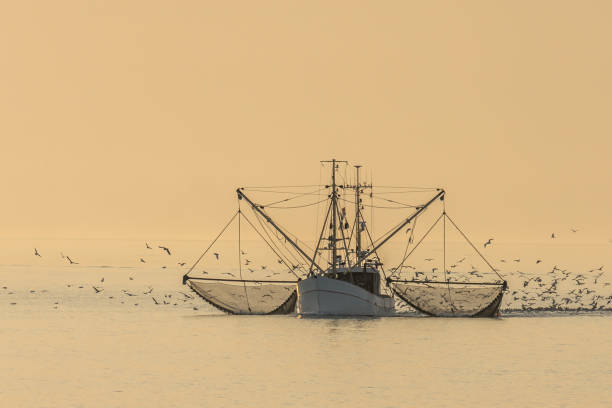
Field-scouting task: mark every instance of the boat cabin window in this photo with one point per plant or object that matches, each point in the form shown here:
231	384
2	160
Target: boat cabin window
365	280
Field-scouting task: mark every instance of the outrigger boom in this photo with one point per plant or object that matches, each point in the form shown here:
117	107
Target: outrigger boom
259	209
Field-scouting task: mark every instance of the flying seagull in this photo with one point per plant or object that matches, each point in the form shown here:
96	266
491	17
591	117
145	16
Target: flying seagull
488	242
36	252
165	249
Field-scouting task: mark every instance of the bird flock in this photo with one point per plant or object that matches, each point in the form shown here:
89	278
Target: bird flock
536	288
130	295
163	248
557	289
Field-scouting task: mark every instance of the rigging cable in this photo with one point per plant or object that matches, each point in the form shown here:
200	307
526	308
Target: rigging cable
381	206
284	257
212	243
246	295
316	230
375	252
415	189
293	207
289	254
296	196
421	240
477	251
323	229
264	187
353	230
344	241
270	246
395	202
295	237
450	300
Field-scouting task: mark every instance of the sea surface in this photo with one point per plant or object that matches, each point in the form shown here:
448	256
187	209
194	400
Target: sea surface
65	344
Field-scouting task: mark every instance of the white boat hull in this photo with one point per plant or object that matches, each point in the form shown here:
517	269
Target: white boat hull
326	296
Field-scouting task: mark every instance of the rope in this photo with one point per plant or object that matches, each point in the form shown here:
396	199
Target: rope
277	191
353	229
318	208
395	202
246	295
376	252
450	299
293	198
305	185
295	238
266	227
293	207
275	253
421	240
284	256
323	229
387	233
412	188
213	243
346	253
475	249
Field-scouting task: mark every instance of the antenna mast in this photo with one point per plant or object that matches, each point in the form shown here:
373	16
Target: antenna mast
334	217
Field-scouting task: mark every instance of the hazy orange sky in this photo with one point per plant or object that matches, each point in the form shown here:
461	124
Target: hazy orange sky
140	118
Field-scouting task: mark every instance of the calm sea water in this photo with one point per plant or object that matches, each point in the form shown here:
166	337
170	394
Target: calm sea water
64	345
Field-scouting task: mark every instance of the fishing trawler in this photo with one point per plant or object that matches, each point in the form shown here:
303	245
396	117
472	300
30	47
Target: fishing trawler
342	275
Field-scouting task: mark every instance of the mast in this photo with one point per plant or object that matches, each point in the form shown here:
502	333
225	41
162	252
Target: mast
357	219
334	210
